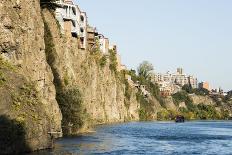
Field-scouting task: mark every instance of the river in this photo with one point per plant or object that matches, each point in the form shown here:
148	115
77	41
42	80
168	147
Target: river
161	138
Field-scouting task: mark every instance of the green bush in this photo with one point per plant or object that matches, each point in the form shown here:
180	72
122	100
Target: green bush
146	109
163	115
74	114
113	61
128	90
2	78
201	91
181	96
207	112
103	61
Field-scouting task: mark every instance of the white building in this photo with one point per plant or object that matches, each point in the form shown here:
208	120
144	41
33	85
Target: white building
104	44
72	21
172	82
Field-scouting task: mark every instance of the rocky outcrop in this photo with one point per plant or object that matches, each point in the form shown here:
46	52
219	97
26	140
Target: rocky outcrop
197	99
22	44
169	104
102	90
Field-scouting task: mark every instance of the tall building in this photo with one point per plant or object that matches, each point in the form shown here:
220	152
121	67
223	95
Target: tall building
193	81
204	85
174	81
180	70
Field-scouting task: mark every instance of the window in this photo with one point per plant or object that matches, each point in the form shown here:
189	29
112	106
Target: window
82	30
74	10
82	18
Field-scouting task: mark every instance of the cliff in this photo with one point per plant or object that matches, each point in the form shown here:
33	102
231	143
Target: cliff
49	86
27	91
87	74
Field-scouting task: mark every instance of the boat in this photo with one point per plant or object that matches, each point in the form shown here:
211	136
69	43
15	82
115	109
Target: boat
179	119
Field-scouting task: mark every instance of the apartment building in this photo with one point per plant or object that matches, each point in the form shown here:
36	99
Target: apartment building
104	44
204	85
172	82
73	22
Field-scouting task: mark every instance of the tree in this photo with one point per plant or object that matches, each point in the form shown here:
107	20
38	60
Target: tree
188	88
145	69
201	91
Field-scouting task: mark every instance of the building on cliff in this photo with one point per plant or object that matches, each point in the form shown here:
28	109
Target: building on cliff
73	22
91	36
104	44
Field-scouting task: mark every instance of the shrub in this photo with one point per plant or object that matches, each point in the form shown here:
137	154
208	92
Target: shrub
207	112
103	61
146	109
181	96
2	78
201	91
163	115
128	90
113	61
74	114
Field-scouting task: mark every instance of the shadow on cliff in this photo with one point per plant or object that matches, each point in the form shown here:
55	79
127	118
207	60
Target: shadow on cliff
12	136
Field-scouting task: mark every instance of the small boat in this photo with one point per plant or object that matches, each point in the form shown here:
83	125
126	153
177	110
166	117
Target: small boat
179	119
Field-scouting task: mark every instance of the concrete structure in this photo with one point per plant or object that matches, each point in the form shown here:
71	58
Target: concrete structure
104	44
193	81
82	20
180	70
91	36
72	21
166	88
204	85
171	83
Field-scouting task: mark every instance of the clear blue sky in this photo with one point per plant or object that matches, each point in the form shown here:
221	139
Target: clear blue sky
193	34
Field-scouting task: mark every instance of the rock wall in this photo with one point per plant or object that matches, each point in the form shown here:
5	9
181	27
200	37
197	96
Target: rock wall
102	90
197	99
22	44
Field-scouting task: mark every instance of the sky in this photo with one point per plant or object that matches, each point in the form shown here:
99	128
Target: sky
193	34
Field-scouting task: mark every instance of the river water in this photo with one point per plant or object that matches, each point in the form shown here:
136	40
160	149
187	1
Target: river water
161	138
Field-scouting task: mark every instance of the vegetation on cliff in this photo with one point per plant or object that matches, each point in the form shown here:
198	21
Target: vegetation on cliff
22	114
74	113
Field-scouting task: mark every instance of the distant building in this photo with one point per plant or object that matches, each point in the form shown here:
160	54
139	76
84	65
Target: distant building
229	93
193	81
173	82
204	85
104	44
179	70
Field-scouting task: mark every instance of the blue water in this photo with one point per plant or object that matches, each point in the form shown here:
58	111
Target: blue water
161	138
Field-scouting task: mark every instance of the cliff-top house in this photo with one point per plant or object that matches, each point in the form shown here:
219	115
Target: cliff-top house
73	21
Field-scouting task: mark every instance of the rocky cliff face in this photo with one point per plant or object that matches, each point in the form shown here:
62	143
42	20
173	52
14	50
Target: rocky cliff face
43	74
22	45
101	90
